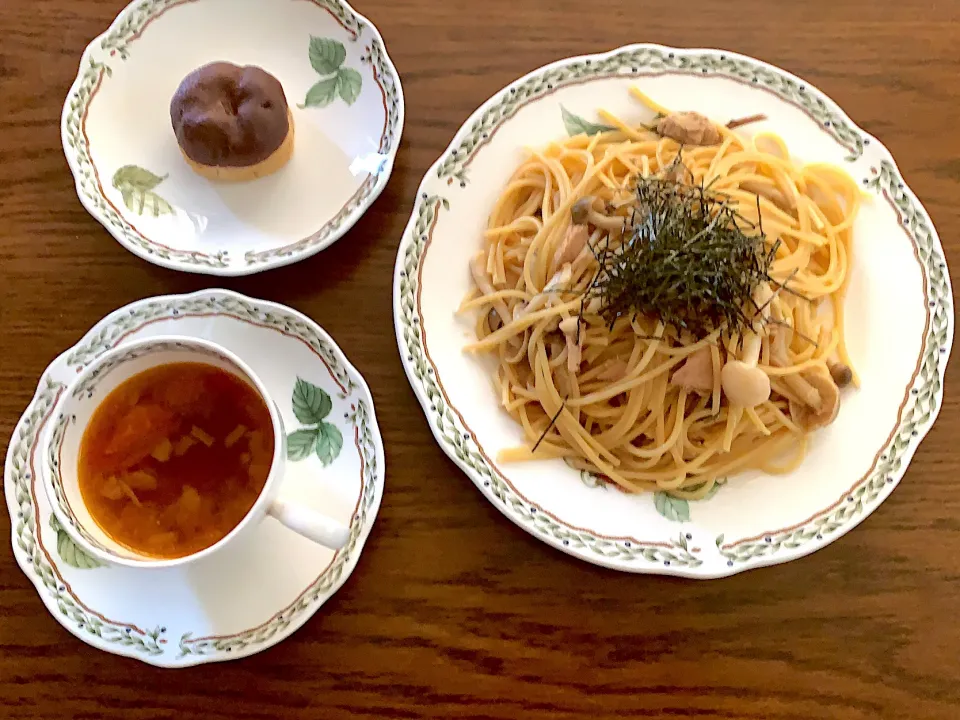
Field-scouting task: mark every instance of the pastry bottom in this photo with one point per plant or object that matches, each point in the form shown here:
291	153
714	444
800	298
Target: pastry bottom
269	165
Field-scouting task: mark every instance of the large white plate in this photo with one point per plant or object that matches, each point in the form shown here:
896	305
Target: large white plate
129	171
243	599
899	327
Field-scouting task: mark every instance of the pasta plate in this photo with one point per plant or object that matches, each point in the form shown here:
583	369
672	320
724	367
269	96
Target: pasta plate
751	519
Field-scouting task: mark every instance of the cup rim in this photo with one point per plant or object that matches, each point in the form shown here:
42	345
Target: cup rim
258	507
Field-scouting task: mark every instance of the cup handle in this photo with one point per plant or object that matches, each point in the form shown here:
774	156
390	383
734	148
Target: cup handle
311	524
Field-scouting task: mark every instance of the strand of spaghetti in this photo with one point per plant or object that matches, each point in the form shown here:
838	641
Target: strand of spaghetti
625	385
791	465
571	430
615	433
646	100
724	146
494	297
674	435
518	325
630	132
774	371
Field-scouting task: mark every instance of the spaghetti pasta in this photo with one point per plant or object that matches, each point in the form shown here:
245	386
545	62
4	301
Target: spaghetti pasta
645	403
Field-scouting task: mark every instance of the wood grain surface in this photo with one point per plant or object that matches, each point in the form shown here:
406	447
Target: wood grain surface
453	612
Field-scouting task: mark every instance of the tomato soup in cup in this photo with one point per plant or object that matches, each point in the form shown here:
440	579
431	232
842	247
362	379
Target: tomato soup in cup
167	448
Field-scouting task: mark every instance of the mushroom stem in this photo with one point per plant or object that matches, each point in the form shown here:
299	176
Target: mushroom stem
810	417
581	209
763	296
611	223
751	350
479	272
584	212
804	391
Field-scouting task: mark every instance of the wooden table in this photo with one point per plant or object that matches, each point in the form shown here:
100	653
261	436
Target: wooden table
453	611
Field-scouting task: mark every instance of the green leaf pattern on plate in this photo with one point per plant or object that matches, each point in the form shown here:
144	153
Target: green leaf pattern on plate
672	508
322	93
300	444
327	57
676	509
310	403
311	406
136	188
68	551
26	535
349	82
576	125
329	442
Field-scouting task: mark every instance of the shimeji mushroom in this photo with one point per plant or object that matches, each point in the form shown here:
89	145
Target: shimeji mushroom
570	328
585	212
811	416
817	395
842	374
742	381
573	245
745	384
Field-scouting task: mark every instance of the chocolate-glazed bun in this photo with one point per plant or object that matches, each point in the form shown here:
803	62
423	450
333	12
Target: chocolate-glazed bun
226	116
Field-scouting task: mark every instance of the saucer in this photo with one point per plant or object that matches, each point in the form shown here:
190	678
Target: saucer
245	598
347	107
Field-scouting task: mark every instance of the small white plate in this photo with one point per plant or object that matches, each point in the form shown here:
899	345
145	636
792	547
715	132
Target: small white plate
347	107
243	599
899	341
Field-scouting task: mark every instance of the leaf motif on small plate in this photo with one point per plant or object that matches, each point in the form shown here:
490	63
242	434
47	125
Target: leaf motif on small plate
349	82
326	58
68	551
322	93
311	406
576	125
136	188
326	55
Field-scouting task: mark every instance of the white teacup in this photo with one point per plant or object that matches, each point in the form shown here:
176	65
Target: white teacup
93	384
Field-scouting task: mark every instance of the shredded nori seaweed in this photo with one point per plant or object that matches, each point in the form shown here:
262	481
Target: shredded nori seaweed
687	258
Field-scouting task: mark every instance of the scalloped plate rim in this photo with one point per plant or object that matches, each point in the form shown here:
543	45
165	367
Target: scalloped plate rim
383	178
300	620
702	572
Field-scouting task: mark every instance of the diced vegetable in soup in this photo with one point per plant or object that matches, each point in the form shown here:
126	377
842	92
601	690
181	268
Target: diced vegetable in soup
175	457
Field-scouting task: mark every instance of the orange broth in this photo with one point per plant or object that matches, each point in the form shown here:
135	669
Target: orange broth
175	457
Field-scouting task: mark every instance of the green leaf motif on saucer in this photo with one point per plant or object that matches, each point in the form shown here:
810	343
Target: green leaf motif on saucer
311	406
